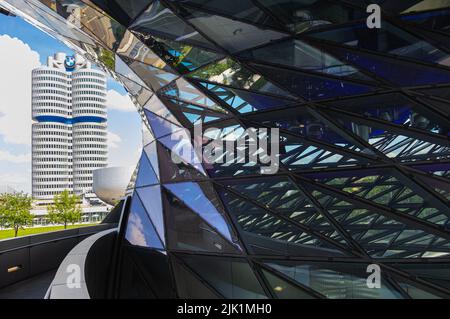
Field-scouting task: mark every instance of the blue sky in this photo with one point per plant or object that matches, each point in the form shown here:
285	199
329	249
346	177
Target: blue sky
23	47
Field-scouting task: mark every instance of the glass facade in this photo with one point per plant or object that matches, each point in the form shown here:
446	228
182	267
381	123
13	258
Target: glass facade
364	160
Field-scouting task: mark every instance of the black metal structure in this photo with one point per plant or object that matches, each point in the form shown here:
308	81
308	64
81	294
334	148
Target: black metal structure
364	161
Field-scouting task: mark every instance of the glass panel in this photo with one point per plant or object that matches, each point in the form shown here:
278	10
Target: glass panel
160	126
185	91
230	34
283	289
155	105
424	5
397	109
231	73
299	15
123	68
393	70
139	93
434	20
140	231
152	155
187	231
146	175
123	11
393	143
313	87
245	101
298	54
151	198
204	204
336	280
233	278
387	39
185	58
162	22
417	293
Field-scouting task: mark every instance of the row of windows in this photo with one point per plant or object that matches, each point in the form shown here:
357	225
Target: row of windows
83	133
52	104
56	133
90	105
50	159
92	166
82	179
53	71
88	80
50	111
51	98
92	153
88	98
49	91
86	159
52	146
90	92
55	126
49	78
89	139
89	126
88	111
50	139
45	166
39	153
77	86
50	85
63	186
87	73
48	173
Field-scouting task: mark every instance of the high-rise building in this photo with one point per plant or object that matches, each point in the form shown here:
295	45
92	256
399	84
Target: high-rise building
69	135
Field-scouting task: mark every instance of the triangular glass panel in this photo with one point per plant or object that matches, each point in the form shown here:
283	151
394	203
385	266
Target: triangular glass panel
154	78
187	231
133	49
281	195
231	277
182	57
401	73
245	101
180	144
188	285
123	11
151	199
313	87
162	22
387	39
175	168
200	198
395	108
415	292
160	126
184	91
262	228
152	154
138	92
335	280
146	176
301	55
379	235
284	289
301	16
124	69
232	35
394	143
229	72
156	106
140	231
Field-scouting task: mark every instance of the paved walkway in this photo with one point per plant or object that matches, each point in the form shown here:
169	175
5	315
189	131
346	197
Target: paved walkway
32	288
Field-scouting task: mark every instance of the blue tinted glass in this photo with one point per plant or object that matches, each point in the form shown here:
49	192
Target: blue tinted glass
312	87
160	126
140	231
192	195
151	198
395	71
152	155
146	175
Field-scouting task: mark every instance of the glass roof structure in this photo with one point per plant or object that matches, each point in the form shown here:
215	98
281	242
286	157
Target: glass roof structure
364	127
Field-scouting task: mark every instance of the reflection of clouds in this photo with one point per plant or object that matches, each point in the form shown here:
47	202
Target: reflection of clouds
135	231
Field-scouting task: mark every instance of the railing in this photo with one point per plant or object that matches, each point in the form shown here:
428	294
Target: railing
28	256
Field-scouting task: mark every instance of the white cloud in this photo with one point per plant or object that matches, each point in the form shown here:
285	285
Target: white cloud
18	181
113	140
119	102
9	157
17	60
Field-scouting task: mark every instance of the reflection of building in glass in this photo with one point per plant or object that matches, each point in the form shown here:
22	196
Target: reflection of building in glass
69	132
364	159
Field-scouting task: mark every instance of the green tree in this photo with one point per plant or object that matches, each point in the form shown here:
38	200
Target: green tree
15	211
65	209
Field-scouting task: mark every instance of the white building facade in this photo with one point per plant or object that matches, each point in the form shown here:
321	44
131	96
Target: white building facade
69	133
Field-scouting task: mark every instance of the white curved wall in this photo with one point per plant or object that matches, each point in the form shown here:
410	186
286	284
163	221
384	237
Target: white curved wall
110	183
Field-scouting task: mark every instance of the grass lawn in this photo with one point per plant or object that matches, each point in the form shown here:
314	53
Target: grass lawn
9	233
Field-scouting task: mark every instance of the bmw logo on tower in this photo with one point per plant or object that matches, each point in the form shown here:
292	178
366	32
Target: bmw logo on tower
69	63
